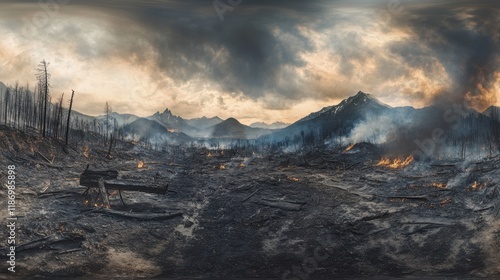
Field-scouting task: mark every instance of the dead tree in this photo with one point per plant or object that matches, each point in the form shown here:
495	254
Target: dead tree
43	78
6	98
107	111
69	115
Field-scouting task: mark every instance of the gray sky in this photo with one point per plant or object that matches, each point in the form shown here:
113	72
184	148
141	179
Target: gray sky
256	60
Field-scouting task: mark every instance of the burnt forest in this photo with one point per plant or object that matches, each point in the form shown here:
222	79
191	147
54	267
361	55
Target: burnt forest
249	140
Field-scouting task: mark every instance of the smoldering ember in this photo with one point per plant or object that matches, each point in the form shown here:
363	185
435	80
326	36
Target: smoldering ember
249	139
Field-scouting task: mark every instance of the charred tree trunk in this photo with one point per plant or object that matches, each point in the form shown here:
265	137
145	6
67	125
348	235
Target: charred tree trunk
69	115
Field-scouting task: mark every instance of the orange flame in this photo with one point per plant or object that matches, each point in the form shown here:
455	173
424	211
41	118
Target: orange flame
349	148
222	167
141	164
395	163
476	187
439	185
293	179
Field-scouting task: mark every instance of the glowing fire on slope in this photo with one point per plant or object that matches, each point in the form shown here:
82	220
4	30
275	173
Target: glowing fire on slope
476	186
141	164
395	163
349	148
97	203
439	185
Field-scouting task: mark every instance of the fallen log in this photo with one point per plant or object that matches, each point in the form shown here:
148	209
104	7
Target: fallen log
431	221
288	201
45	158
421	198
139	216
137	186
38	244
424	229
248	197
348	189
280	204
70	251
23	160
443	165
90	179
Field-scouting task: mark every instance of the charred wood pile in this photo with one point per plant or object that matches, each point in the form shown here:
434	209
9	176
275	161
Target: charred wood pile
100	182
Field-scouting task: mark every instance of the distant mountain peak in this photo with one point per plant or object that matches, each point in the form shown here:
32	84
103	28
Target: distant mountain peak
275	125
360	101
363	97
204	122
232	121
362	94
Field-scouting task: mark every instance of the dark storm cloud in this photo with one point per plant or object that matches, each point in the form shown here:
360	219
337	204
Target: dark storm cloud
258	47
242	54
464	36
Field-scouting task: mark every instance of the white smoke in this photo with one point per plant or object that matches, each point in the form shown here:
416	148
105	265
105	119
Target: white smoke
379	129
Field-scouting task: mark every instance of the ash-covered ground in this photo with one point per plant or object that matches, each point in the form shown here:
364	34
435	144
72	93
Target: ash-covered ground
307	215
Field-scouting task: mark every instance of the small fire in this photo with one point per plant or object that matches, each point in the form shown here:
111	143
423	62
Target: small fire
209	154
439	185
395	163
293	179
141	164
476	187
222	167
349	148
242	165
86	151
445	201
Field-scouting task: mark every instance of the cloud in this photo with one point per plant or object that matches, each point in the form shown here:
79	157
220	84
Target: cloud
464	38
160	53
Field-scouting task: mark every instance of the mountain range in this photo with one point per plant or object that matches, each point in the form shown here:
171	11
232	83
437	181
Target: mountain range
358	118
275	125
166	126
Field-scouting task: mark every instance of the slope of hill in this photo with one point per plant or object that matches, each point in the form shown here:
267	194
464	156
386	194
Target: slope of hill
275	125
492	111
152	131
121	119
331	121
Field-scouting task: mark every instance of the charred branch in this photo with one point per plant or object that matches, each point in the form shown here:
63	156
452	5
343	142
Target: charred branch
140	216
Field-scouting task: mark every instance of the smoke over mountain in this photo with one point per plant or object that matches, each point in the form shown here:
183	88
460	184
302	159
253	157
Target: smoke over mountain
465	39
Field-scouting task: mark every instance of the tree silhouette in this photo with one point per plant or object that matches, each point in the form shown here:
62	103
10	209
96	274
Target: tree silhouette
43	81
